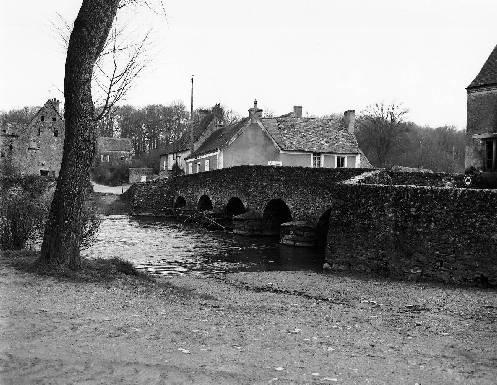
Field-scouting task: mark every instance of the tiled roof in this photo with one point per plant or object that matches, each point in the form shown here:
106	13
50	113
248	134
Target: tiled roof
219	138
105	144
311	134
364	161
488	73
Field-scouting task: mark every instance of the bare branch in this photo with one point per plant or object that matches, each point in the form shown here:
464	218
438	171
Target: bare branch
122	60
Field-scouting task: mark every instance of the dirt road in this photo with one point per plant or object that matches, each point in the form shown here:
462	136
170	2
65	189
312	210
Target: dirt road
244	328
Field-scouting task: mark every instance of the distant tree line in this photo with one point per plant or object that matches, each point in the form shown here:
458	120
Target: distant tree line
388	139
383	132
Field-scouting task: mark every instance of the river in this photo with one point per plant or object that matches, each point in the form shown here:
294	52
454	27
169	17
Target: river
168	247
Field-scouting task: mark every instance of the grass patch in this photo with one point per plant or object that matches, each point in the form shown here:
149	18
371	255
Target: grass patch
92	270
102	271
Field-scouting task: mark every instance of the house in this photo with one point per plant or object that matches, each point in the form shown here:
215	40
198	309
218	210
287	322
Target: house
113	150
206	123
35	149
289	140
481	129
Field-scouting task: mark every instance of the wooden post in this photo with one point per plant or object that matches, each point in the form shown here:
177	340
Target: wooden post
191	120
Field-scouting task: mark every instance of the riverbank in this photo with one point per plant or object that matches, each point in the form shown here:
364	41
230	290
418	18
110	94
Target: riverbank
242	328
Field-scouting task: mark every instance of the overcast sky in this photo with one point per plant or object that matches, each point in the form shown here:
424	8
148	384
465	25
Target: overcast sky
326	55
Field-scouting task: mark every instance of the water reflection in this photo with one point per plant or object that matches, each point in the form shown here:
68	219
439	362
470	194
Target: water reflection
168	247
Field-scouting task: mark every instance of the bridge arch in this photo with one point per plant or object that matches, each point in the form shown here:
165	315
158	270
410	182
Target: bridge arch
275	213
204	203
179	202
234	207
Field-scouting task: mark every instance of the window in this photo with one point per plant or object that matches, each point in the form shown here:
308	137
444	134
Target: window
164	165
101	158
190	168
2	155
198	167
42	118
341	161
207	163
56	133
122	157
54	119
316	160
491	155
108	158
44	172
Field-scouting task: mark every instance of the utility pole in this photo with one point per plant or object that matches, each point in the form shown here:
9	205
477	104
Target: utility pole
191	119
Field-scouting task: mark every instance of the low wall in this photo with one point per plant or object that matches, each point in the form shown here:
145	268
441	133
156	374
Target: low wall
136	174
414	178
409	232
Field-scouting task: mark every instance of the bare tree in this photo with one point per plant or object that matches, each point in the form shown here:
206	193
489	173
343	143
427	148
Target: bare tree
64	228
122	60
230	117
380	127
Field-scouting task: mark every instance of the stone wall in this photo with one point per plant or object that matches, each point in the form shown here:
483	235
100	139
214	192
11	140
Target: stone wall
441	234
136	174
481	118
407	178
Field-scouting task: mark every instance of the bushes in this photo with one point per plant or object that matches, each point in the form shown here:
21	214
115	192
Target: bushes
24	207
177	170
110	174
22	217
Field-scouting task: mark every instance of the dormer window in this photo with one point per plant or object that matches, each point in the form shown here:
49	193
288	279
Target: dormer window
341	161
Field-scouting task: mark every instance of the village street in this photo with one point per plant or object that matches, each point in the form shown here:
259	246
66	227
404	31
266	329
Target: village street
243	328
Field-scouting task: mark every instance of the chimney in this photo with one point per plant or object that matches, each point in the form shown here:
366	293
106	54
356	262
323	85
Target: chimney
255	113
297	111
55	103
349	119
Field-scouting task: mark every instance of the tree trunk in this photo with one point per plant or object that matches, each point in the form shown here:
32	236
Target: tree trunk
63	232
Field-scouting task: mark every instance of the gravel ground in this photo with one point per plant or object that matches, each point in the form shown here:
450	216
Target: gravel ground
244	328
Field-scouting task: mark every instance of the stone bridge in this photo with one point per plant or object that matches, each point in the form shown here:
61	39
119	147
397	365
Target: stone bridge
393	224
269	195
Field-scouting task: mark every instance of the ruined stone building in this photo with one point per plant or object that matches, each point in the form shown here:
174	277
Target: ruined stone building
288	140
35	149
481	131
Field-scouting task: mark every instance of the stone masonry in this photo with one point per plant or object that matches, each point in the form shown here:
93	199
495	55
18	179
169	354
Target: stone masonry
407	231
35	149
